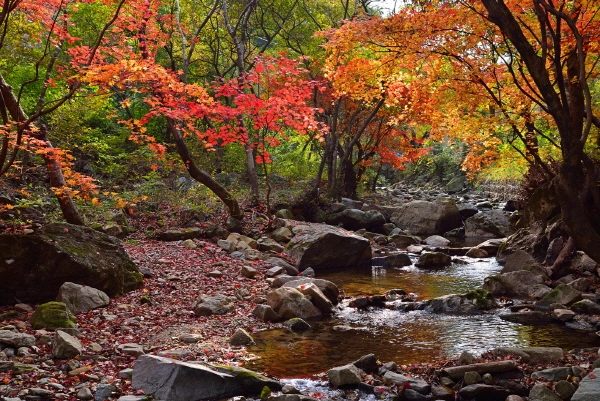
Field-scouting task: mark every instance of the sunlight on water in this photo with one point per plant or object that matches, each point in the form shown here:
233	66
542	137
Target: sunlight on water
403	337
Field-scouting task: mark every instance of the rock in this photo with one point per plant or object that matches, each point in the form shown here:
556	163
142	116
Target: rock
562	294
427	218
180	234
214	305
351	203
458	372
249	272
241	337
84	393
539	291
586	306
528	318
584	263
519	260
517	283
539	392
16	339
564	389
564	315
275	271
490	224
65	346
433	260
589	387
284	214
514	397
418	385
308	272
471	378
296	324
290	269
329	289
51	316
477	253
269	245
104	391
132	349
233	225
190	244
282	234
553	374
412	395
63	252
227	245
532	355
266	313
322	247
492	246
581	284
318	299
466	358
393	260
456	303
541	205
367	363
80	299
403	241
173	380
354	219
290	303
344	375
484	392
436	240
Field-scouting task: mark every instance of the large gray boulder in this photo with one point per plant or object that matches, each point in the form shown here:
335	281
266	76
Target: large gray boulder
322	247
433	260
589	387
354	219
34	266
16	339
427	218
346	375
173	380
563	294
65	345
80	299
289	303
516	283
490	224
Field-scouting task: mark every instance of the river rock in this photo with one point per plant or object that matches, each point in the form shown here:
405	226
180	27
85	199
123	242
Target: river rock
562	294
418	385
586	306
490	224
80	299
491	246
269	245
367	363
433	260
519	260
403	241
354	219
484	392
344	375
266	313
329	289
542	205
16	339
393	260
458	372
453	303
214	305
288	267
553	374
289	303
180	234
528	317
427	218
65	346
282	234
241	337
589	387
517	283
531	240
60	252
565	389
436	240
322	247
297	324
532	354
539	392
173	380
477	253
564	315
317	298
581	284
52	316
352	203
583	262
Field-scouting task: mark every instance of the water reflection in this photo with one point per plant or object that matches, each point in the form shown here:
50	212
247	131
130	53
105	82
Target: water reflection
413	337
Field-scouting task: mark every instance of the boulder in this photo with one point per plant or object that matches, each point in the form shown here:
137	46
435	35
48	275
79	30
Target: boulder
296	324
562	294
586	306
329	289
318	299
419	385
491	246
393	260
282	234
517	283
589	387
214	305
458	372
266	313
269	245
531	240
241	337
173	380
532	354
528	317
539	392
354	219
477	253
553	374
322	247
470	303
344	375
491	224
16	339
436	240
520	260
288	267
433	260
403	240
52	316
484	392
289	303
180	234
41	262
367	363
65	346
427	218
541	205
351	203
80	299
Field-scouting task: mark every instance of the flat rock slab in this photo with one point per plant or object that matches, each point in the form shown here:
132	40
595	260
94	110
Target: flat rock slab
457	372
532	354
173	380
589	387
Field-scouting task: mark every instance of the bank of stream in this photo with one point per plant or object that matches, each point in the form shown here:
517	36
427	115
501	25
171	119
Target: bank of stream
403	337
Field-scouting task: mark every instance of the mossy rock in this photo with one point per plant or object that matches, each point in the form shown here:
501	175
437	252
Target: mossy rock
52	316
481	298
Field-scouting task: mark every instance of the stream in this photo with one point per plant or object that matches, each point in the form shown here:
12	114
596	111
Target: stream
403	337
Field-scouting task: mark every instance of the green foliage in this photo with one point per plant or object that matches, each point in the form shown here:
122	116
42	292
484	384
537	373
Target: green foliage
439	166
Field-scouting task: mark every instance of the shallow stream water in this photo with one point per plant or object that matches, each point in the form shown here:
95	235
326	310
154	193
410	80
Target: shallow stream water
403	337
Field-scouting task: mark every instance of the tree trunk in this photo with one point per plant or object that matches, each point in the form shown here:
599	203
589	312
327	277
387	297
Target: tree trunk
202	176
